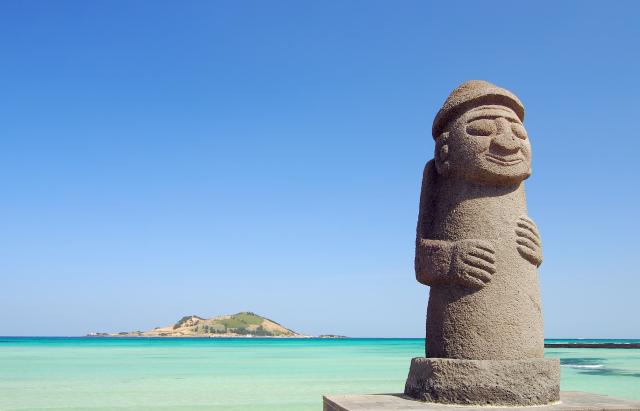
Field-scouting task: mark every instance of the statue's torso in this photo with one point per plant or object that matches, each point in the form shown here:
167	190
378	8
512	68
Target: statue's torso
503	320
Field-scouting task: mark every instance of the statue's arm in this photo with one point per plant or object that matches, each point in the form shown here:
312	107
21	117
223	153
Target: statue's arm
433	257
468	262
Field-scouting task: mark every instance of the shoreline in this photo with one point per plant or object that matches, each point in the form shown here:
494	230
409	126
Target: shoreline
595	344
592	345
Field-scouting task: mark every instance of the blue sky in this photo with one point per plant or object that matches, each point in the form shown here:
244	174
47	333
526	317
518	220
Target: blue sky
162	158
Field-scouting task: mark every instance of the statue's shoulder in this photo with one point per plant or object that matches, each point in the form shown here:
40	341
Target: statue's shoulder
429	185
429	174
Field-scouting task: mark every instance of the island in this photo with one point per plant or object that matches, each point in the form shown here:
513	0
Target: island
244	324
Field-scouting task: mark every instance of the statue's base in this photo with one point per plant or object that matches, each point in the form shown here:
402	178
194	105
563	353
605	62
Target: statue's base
569	401
533	381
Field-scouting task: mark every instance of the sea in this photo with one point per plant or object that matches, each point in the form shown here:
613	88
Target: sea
38	373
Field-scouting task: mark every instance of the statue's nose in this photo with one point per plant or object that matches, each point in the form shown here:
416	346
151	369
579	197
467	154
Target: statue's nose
504	138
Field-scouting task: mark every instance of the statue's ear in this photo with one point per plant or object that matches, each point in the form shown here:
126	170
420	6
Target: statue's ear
441	154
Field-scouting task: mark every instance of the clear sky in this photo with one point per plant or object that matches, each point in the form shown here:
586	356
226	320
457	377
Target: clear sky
163	158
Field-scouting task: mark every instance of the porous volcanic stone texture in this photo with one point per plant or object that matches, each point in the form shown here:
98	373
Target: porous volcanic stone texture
476	246
507	382
472	93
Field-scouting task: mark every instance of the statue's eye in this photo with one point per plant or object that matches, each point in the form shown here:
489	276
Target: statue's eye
519	131
481	127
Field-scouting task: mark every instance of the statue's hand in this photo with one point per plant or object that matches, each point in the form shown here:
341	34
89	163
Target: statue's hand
472	263
528	240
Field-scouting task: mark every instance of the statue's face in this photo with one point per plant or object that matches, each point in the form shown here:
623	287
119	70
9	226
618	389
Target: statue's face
488	145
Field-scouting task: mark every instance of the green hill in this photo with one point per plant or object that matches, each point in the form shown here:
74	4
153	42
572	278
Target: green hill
244	324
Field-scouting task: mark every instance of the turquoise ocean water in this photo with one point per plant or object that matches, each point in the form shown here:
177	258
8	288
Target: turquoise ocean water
244	374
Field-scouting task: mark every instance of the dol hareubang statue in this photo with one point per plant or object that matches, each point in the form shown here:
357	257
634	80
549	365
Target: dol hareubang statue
479	251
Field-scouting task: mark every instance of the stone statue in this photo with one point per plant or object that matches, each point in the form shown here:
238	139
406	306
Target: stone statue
479	251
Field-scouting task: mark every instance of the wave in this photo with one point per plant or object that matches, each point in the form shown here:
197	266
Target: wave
583	366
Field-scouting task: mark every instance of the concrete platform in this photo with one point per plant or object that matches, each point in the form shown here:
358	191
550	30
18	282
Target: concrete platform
569	401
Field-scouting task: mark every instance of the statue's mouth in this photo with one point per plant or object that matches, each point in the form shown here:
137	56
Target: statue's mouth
504	160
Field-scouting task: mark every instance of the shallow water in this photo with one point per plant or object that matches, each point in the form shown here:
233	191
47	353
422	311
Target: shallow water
247	374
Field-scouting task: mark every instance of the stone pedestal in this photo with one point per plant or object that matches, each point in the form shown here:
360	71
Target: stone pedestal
569	401
479	251
533	381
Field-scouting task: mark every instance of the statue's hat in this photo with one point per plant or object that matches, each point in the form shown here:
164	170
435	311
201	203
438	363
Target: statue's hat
472	94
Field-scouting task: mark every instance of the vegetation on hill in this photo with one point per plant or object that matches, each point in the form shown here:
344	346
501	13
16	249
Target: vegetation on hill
244	324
